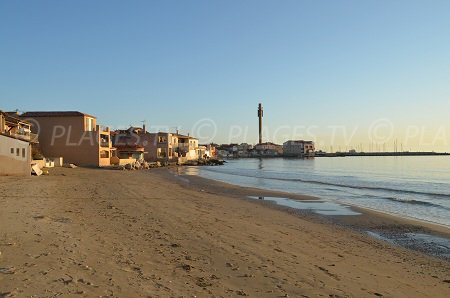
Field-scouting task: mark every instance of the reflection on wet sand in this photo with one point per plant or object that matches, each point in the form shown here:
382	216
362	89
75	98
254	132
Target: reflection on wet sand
319	207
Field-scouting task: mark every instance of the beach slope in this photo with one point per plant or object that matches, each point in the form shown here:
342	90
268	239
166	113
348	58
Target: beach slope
90	233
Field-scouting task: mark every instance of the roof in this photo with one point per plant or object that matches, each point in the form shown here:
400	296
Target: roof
56	114
184	136
299	141
268	143
12	117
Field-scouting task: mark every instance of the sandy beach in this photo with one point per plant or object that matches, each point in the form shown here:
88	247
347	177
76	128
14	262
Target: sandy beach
103	233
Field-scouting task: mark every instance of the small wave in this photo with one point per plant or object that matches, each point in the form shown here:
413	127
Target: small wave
441	195
416	202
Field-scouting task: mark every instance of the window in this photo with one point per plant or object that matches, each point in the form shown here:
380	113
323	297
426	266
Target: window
12	150
23	152
104	154
89	124
17	151
161	153
104	140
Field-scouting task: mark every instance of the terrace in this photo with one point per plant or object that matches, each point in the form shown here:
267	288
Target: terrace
16	128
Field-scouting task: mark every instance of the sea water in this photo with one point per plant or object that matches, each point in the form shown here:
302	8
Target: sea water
410	186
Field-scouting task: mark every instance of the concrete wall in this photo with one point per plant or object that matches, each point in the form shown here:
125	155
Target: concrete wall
11	163
67	137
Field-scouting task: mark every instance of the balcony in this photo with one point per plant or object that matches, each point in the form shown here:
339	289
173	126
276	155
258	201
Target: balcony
24	136
104	141
183	146
102	129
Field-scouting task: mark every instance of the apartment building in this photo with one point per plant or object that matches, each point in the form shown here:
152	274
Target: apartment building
298	148
268	149
73	135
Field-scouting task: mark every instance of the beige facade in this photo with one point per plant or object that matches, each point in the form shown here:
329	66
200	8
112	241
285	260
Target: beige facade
187	147
160	147
170	147
268	149
15	148
74	136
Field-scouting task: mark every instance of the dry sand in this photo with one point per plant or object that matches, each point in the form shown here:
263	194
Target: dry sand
89	232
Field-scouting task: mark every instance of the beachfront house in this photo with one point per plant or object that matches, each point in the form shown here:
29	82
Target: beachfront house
127	145
73	135
15	145
298	148
187	148
170	147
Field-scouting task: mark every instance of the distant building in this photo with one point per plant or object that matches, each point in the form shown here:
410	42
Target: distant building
15	145
243	150
267	149
212	150
207	150
298	148
223	153
224	150
75	136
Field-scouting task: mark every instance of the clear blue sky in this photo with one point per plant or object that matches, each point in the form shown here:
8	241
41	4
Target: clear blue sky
316	64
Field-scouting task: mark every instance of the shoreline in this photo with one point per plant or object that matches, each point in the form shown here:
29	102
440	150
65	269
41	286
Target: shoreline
370	221
92	232
431	224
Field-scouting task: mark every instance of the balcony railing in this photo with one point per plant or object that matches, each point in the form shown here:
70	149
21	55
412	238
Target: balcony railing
29	137
183	145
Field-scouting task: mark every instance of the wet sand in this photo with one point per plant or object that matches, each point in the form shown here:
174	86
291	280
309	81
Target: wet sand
90	233
425	237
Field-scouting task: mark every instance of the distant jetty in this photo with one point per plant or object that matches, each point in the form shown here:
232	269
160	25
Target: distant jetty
406	153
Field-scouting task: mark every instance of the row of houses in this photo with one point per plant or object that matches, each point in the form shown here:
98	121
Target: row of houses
137	143
77	138
291	148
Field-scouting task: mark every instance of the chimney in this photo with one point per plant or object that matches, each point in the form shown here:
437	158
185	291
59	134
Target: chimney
143	128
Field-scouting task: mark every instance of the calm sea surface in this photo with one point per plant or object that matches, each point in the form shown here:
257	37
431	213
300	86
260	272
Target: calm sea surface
417	187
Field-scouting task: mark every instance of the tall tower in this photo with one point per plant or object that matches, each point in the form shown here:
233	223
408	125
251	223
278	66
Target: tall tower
260	116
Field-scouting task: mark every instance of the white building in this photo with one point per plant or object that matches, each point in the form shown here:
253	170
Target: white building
15	146
298	148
